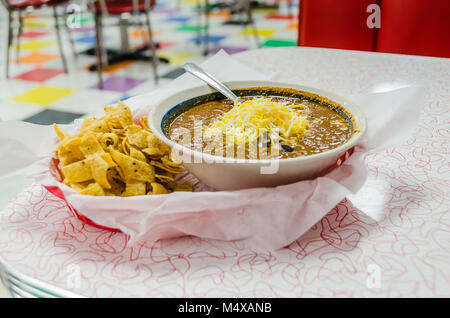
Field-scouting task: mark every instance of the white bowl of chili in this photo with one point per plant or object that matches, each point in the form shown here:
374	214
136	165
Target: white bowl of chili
334	126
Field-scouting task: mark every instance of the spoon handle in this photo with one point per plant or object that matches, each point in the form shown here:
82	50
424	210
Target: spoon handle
209	79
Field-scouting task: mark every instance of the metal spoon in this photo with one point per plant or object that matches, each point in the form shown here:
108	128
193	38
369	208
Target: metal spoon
197	71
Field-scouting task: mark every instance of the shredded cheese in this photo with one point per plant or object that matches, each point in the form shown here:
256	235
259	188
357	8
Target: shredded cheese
251	119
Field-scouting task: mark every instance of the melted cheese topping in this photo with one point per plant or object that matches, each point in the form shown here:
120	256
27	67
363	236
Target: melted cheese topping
251	119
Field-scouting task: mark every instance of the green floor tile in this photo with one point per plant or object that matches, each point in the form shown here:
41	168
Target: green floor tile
191	28
82	20
278	43
203	7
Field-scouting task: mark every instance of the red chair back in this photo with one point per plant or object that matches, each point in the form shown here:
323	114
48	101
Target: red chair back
335	24
415	27
21	4
117	7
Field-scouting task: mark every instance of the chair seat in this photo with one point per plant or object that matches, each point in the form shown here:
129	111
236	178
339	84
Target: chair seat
117	7
21	4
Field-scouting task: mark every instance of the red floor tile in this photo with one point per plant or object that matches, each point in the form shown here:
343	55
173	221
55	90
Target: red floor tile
163	45
277	16
39	75
33	34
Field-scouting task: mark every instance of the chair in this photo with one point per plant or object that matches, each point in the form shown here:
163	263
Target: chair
407	27
118	8
415	27
20	6
335	24
236	6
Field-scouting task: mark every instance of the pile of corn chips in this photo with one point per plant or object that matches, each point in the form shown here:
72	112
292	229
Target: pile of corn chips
112	156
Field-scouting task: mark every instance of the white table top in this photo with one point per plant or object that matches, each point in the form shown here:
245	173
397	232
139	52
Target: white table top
345	254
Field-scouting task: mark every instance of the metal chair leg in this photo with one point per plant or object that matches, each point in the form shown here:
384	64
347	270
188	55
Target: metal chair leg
69	34
206	39
248	7
199	22
289	8
58	36
98	48
10	36
140	25
19	35
152	46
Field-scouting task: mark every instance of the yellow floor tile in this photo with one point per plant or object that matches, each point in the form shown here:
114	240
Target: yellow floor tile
261	32
34	45
31	23
43	95
175	57
264	10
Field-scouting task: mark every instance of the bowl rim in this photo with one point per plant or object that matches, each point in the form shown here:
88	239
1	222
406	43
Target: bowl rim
208	158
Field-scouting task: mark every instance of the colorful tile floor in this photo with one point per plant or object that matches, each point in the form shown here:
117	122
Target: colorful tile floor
39	91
